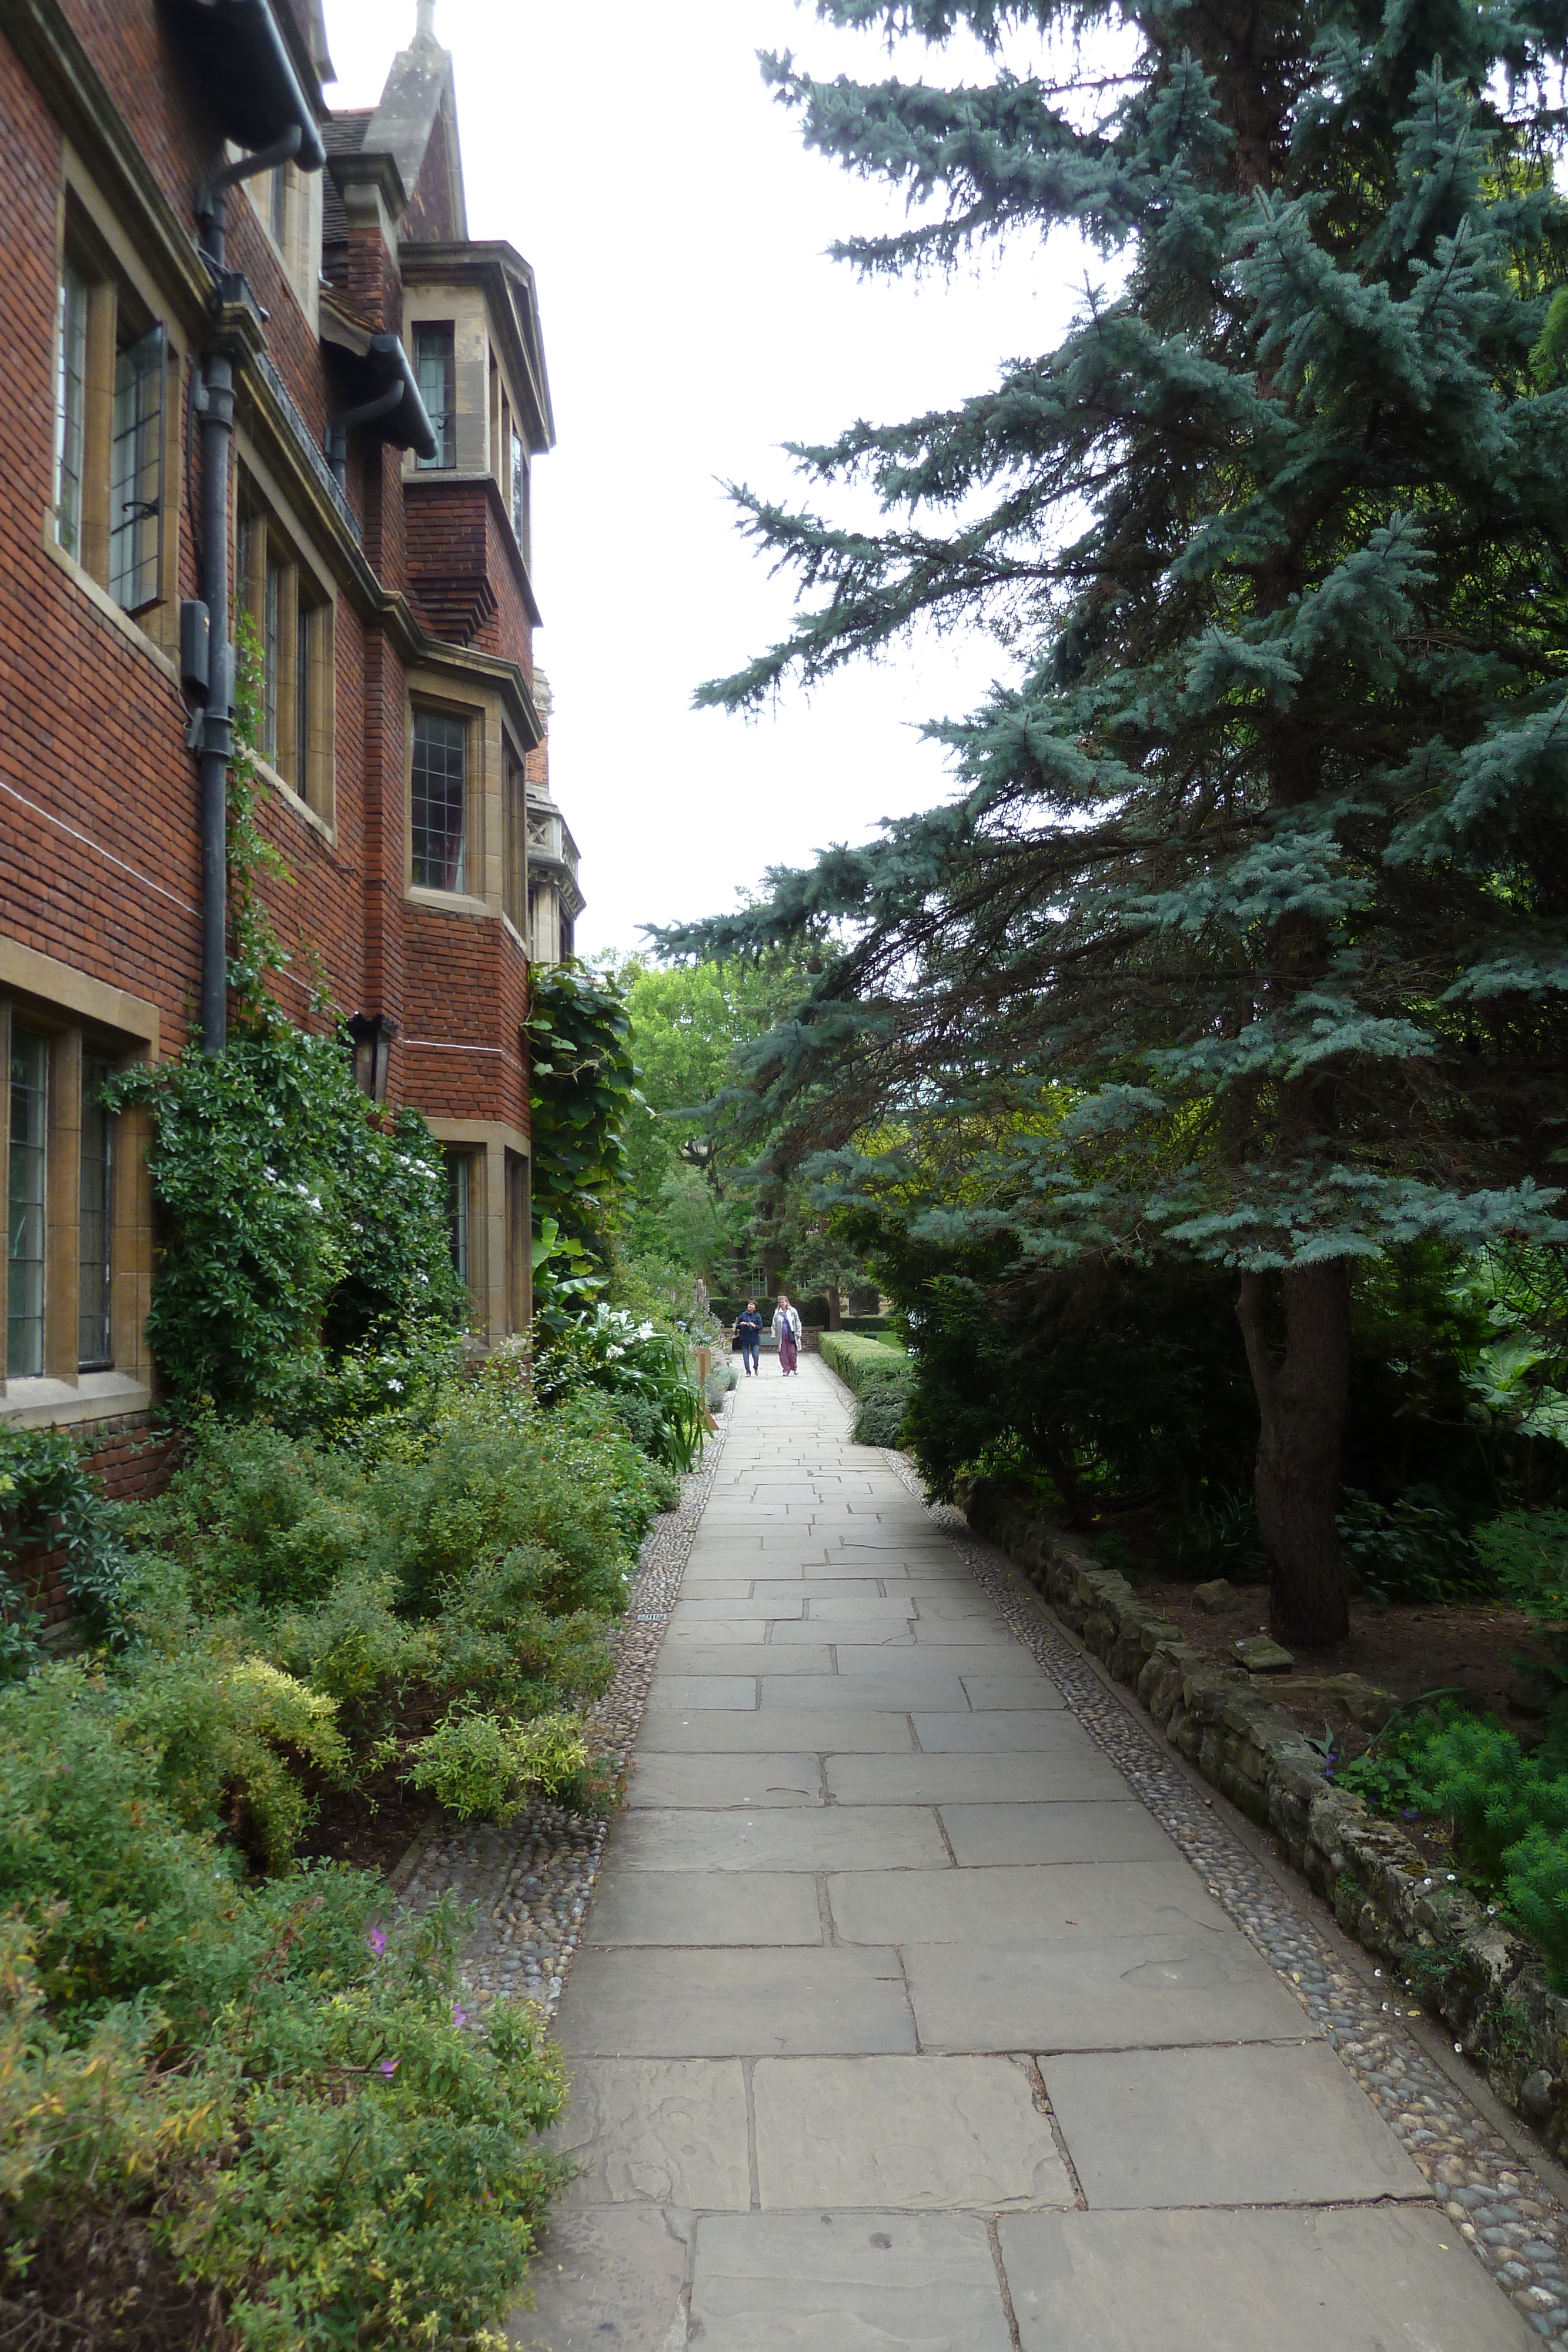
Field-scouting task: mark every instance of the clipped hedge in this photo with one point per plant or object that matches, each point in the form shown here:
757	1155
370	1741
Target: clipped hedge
879	1377
858	1361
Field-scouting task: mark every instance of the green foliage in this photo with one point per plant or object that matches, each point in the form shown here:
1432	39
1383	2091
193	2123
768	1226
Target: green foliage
485	1766
259	1516
879	1410
1526	1555
288	1216
647	1375
1412	1548
584	1091
47	1496
1509	1811
294	2092
226	1740
857	1360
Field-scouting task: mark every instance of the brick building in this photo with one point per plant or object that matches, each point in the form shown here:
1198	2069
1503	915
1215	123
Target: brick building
309	394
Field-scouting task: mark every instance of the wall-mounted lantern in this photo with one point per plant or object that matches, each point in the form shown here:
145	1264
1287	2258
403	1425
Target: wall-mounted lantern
372	1033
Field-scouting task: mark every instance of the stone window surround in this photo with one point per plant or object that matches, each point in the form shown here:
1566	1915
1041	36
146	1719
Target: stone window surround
500	1273
481	376
494	753
299	250
73	1010
316	805
86	223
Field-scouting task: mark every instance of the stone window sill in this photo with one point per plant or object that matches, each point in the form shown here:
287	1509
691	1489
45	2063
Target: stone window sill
97	1396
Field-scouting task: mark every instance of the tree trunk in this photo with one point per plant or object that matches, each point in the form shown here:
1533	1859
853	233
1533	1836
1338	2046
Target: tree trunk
835	1307
1301	1408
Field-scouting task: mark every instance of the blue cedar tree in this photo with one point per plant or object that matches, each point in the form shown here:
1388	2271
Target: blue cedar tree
1262	863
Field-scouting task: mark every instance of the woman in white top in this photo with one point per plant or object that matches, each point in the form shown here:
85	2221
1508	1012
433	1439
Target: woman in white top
787	1331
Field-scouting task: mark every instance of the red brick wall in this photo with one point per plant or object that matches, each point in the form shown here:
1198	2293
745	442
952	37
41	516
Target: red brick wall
99	856
134	1460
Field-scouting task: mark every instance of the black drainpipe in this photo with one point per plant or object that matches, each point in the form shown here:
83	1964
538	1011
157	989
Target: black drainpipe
217	730
217	413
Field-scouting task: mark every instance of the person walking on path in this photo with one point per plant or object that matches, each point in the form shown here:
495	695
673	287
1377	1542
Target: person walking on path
748	1331
787	1331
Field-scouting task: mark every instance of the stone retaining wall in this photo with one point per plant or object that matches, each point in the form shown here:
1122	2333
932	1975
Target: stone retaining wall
1489	1987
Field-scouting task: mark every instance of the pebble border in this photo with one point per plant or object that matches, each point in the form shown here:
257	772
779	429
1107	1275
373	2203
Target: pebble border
529	1883
1494	2201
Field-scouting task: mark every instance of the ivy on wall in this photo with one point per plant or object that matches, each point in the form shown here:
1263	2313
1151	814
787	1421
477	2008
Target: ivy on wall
584	1091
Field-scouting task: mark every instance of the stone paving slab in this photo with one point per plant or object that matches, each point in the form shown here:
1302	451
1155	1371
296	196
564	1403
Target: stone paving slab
1018	1688
1090	1898
612	2279
681	1690
859	1730
914	1682
708	1906
1378	2280
713	1781
827	2282
754	1656
1095	1830
659	2131
911	2135
837	1837
736	2002
1116	1992
1005	1732
1237	2126
1062	1762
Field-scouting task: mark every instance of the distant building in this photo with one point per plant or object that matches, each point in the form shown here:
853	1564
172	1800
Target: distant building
554	898
309	395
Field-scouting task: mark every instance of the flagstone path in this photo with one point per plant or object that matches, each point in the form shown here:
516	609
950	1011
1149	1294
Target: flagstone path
899	2021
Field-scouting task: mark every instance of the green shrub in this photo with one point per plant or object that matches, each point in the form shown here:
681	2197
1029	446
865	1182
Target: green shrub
327	2143
1525	1553
1412	1548
226	1739
486	1766
879	1410
648	1372
486	1489
355	1650
1509	1815
856	1359
257	1515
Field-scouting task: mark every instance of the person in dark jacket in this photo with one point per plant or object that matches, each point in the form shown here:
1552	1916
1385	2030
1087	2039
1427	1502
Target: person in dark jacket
748	1331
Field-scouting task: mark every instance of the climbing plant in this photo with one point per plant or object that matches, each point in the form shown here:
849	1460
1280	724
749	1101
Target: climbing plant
46	1497
584	1092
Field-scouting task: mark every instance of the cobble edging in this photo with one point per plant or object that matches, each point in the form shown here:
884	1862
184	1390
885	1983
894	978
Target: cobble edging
529	1884
1487	1985
1496	2203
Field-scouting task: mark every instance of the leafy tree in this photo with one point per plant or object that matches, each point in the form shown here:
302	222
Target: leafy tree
1252	911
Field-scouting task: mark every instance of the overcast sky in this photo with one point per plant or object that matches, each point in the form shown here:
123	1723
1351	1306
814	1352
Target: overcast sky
693	323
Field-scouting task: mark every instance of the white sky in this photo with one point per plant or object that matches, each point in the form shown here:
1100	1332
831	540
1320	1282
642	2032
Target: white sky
692	324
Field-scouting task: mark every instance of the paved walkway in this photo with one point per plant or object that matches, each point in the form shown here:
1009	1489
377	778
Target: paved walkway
899	2022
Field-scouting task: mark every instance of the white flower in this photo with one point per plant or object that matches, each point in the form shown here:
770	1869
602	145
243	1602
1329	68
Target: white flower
397	1385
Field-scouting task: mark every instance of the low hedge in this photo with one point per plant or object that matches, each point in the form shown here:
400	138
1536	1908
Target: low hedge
858	1361
880	1377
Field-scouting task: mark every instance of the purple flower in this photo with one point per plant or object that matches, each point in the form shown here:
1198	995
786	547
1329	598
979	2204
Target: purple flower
1408	1813
377	1940
459	2017
389	2067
